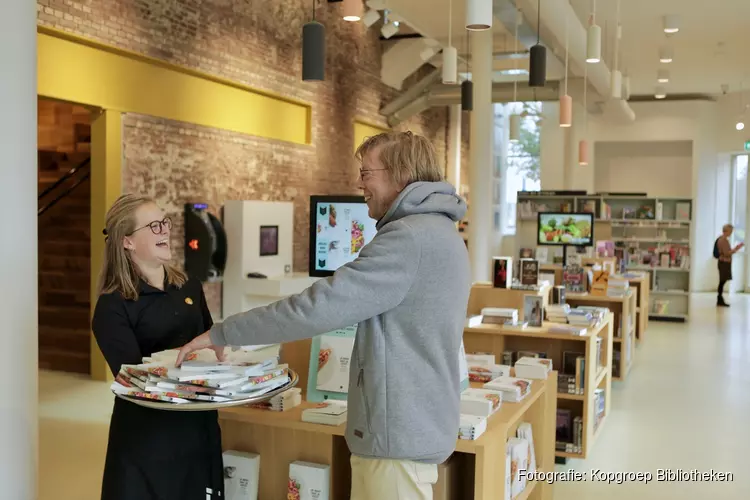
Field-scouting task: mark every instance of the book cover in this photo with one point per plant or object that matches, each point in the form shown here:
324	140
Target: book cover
529	272
502	272
334	357
533	310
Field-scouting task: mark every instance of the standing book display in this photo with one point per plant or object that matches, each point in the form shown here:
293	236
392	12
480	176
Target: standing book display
330	357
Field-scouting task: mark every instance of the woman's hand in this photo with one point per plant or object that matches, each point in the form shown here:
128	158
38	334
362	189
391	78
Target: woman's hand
202	341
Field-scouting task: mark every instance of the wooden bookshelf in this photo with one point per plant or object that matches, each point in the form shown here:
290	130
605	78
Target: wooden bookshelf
485	295
641	286
624	327
496	339
281	438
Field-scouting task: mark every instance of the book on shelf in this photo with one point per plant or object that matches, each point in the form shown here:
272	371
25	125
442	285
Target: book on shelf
471	427
502	272
331	412
241	475
519	455
529	272
533	309
533	368
486	373
525	432
282	402
569	432
514	389
480	402
308	481
498	315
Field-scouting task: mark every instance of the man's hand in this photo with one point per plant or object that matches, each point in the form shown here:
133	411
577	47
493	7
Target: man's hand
202	341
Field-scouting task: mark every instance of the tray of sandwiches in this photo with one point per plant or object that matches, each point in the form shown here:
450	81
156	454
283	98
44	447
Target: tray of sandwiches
202	383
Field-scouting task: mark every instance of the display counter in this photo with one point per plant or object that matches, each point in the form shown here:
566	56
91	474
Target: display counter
281	438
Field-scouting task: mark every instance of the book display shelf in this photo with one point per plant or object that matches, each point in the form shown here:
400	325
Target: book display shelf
623	310
640	282
476	470
583	394
648	234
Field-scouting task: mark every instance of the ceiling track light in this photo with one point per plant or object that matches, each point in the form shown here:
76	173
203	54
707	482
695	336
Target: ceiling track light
671	24
478	15
353	10
660	93
538	55
666	55
371	17
313	50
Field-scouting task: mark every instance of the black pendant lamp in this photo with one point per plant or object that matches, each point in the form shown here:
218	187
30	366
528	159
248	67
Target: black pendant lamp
467	86
538	56
313	50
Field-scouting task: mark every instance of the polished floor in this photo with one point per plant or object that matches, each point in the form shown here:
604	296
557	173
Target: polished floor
686	405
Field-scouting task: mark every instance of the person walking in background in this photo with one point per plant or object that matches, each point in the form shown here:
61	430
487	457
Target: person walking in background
723	251
408	292
146	305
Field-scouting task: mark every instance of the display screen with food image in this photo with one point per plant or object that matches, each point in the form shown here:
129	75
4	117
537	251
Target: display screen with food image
575	229
340	229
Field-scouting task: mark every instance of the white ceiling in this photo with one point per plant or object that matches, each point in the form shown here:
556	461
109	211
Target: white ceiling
710	49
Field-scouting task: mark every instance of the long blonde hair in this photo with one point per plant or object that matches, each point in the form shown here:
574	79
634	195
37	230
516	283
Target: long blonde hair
119	273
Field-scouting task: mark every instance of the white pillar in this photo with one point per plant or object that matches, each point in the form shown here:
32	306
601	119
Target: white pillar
18	252
454	147
482	157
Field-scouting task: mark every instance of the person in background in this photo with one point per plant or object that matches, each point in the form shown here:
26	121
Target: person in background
723	251
146	305
408	292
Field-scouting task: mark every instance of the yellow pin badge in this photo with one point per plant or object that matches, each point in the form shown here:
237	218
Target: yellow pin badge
188	301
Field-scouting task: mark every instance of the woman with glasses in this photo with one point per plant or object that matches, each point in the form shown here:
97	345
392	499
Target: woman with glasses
147	305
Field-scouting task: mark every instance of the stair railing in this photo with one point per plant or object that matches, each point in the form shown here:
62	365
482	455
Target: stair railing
85	164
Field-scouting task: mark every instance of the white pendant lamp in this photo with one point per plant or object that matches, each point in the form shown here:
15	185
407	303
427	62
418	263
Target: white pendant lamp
665	55
593	38
583	146
671	24
662	76
353	10
450	65
660	93
450	54
514	127
566	102
478	15
615	81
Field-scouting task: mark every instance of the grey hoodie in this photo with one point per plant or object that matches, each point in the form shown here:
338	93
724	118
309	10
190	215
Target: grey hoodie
408	292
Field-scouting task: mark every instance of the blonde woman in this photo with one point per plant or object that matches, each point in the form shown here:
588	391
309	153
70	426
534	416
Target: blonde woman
146	305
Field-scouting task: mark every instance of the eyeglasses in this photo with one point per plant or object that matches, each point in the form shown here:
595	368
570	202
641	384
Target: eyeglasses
362	172
157	226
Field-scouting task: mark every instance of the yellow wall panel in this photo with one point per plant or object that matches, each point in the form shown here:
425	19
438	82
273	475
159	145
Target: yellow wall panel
82	72
363	130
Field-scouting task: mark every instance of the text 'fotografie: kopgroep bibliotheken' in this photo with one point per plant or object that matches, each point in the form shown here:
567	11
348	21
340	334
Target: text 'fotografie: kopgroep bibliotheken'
659	475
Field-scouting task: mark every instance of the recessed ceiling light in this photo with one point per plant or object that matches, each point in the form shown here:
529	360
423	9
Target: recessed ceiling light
739	126
671	24
662	76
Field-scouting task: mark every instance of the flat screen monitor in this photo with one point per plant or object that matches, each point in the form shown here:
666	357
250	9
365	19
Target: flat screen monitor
558	228
339	228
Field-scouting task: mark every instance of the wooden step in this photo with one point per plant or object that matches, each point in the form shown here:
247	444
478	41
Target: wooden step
65	317
65	339
65	361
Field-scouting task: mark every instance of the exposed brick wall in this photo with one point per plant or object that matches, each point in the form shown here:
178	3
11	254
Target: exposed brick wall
256	43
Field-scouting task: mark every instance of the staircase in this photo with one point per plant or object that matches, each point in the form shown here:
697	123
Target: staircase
64	259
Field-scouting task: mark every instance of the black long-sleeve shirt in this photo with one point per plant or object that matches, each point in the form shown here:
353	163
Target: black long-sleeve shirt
128	330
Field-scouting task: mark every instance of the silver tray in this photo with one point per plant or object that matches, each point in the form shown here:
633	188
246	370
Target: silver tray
203	406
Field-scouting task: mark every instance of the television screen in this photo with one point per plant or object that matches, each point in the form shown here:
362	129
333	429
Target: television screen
269	240
339	228
575	229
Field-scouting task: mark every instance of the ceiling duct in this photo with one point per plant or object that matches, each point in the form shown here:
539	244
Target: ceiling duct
448	95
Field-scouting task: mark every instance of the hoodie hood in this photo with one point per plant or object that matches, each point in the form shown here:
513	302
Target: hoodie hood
426	198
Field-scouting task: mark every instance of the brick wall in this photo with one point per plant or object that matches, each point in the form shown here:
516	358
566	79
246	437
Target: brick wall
258	44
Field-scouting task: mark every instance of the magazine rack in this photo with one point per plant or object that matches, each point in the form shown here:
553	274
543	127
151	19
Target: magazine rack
204	406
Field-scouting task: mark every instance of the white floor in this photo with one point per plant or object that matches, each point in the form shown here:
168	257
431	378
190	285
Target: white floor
686	405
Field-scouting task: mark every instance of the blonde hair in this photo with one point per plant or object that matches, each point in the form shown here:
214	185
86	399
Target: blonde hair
406	156
119	273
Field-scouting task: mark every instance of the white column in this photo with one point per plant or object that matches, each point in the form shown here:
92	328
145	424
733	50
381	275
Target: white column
454	146
480	173
18	252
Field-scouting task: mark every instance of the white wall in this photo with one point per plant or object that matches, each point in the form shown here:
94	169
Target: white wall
663	169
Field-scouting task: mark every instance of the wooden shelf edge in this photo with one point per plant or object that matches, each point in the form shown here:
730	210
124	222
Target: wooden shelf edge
565	454
600	376
527	491
573	397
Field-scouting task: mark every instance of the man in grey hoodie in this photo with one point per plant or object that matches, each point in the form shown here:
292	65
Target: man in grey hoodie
408	292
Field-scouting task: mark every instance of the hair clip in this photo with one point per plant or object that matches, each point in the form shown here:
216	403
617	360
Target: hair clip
104	232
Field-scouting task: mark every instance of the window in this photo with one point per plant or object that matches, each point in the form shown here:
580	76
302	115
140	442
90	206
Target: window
522	171
739	198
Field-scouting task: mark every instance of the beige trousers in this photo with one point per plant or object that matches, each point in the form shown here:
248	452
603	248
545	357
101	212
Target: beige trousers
383	479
